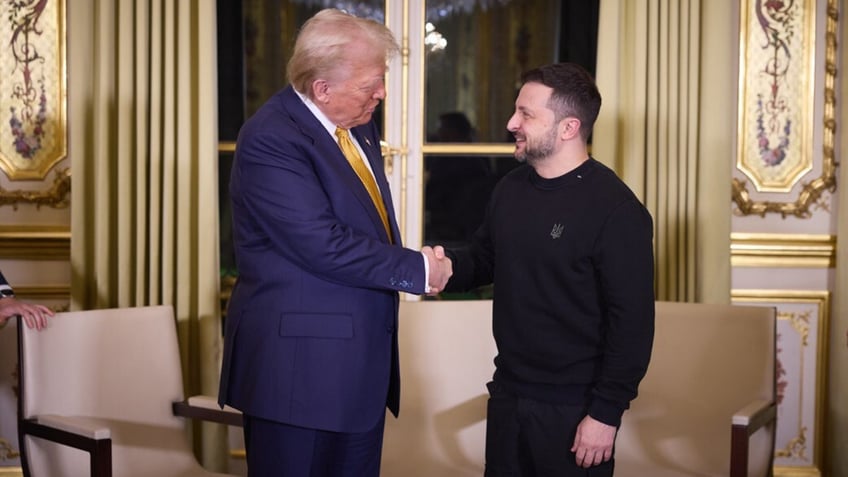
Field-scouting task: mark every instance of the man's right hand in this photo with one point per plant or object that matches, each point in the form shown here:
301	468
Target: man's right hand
441	268
35	316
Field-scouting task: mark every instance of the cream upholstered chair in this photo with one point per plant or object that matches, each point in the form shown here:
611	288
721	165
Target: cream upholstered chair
706	407
99	391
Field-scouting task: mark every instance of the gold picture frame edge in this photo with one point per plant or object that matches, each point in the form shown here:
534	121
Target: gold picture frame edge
822	297
812	191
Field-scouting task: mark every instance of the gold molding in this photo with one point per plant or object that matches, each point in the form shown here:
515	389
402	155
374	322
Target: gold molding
785	251
46	292
227	146
7	451
12	471
786	471
506	149
28	242
821	298
811	192
404	113
57	196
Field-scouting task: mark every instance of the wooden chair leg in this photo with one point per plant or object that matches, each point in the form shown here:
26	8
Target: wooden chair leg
739	451
101	459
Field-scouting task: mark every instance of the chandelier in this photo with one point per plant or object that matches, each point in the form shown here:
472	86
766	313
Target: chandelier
375	9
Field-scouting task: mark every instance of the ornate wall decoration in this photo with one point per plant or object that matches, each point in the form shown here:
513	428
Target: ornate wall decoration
801	369
776	85
57	196
32	95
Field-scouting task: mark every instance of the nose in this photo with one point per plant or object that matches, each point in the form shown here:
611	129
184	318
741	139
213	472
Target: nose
380	92
512	124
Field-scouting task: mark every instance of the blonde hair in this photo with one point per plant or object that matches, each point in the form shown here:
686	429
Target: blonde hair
321	48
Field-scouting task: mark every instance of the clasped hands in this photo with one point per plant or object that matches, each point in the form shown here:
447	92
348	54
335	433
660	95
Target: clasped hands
441	268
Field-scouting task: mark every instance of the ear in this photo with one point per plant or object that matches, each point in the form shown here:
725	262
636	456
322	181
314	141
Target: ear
321	91
570	127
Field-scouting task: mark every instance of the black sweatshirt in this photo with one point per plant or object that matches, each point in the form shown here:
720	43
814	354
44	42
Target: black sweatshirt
571	260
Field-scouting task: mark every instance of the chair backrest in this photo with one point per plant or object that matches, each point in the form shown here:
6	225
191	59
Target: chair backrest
121	363
115	369
446	353
708	362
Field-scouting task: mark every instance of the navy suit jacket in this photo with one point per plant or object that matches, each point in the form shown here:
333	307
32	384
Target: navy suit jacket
311	328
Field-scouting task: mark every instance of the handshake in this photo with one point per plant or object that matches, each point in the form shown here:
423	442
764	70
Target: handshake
441	268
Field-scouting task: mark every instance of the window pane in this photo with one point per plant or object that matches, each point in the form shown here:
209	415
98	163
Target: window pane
476	51
270	28
456	191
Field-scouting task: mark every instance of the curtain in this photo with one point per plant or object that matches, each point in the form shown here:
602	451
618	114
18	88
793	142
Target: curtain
836	441
143	150
667	127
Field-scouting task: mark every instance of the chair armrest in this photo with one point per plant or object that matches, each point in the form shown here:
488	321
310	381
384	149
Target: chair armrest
76	425
755	414
744	423
206	408
78	433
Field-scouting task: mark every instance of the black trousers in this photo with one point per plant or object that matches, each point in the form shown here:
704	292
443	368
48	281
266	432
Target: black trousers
528	438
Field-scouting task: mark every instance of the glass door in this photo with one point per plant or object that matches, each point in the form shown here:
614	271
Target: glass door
450	93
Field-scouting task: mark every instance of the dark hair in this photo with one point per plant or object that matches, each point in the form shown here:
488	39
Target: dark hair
454	126
574	93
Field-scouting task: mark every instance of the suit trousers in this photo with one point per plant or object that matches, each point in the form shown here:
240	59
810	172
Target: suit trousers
275	449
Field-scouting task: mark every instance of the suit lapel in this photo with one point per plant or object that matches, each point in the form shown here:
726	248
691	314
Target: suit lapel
329	150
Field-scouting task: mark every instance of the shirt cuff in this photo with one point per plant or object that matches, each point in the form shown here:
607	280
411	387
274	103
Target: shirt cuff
605	411
426	273
6	291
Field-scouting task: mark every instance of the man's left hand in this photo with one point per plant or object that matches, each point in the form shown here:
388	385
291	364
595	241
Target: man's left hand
593	442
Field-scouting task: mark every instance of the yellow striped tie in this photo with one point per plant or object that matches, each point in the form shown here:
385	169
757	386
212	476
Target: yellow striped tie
358	164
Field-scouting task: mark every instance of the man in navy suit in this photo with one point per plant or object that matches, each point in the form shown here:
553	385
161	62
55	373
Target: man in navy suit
34	316
310	350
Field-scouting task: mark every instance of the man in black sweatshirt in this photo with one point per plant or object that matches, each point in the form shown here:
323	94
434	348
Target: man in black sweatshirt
568	247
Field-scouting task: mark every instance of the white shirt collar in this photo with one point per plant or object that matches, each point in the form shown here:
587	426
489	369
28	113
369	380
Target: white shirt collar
330	127
319	115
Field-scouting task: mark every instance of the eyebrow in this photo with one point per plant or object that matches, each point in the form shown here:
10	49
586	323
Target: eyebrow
370	83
